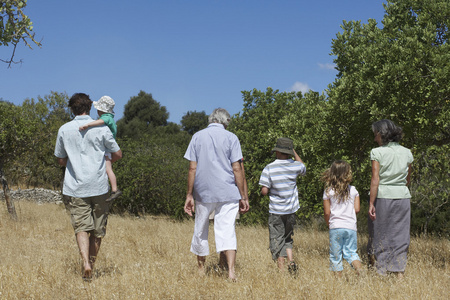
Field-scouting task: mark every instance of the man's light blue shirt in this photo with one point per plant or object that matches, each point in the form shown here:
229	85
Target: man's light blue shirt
214	149
85	170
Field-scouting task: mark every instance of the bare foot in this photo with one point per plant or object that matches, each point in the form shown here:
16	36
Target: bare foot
92	260
223	261
231	276
201	265
201	271
357	266
87	271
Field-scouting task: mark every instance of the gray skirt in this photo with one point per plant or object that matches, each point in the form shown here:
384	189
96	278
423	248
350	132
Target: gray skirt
389	234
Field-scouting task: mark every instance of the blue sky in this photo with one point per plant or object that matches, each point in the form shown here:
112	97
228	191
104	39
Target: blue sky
190	55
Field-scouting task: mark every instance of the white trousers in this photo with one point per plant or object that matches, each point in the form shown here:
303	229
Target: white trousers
224	227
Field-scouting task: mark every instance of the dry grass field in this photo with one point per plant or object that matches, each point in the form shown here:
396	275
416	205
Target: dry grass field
149	258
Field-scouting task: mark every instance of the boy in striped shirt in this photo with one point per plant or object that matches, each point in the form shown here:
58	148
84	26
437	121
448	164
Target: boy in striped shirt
279	180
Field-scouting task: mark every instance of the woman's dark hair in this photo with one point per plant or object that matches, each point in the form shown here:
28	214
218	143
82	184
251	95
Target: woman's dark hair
388	131
80	103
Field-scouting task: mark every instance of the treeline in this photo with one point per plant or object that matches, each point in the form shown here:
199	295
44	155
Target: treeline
400	71
152	173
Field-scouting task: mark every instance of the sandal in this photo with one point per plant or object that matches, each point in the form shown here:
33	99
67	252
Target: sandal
114	195
292	268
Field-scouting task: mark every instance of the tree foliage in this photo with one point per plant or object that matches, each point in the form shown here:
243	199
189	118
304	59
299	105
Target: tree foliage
46	115
141	115
153	174
193	121
430	189
267	116
27	138
15	26
398	71
14	134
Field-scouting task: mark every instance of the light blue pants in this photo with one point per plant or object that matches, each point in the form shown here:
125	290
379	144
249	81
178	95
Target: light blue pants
343	243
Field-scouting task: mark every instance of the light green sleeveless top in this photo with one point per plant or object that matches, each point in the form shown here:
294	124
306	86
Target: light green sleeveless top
394	164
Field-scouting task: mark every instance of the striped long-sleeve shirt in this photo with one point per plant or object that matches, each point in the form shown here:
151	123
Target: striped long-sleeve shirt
280	177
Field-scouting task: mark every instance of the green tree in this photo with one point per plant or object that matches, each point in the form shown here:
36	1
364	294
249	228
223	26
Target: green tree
15	27
13	134
27	140
267	116
193	121
141	115
430	189
45	116
399	71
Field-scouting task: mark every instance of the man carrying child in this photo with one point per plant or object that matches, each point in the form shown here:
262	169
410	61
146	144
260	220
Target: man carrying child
85	181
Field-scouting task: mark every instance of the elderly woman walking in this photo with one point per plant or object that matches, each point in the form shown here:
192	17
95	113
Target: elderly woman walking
389	208
216	181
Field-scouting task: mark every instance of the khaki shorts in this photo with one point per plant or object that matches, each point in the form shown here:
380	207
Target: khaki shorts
281	230
89	214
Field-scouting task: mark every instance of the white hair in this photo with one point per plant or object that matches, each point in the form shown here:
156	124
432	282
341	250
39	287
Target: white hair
219	115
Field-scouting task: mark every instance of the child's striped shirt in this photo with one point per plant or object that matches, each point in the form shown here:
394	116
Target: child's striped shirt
280	177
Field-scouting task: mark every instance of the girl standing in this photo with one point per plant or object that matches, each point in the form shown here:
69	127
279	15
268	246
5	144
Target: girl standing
341	204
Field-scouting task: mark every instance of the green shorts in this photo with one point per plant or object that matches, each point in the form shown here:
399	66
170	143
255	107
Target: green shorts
281	230
89	214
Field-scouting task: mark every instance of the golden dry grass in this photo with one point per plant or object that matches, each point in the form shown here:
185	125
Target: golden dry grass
149	258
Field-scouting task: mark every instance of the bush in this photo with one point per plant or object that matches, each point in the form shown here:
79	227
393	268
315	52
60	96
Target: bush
430	189
153	175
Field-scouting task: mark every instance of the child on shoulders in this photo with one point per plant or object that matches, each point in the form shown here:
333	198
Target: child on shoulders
279	180
105	111
341	204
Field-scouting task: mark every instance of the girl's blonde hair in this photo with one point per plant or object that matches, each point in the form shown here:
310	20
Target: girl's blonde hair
337	178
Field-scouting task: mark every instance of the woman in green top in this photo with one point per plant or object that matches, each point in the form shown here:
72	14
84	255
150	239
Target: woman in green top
389	207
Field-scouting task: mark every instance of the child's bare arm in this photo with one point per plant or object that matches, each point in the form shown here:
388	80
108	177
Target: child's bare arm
357	204
98	122
297	158
264	190
327	210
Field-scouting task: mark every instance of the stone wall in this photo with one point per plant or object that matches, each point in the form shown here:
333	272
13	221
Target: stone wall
38	195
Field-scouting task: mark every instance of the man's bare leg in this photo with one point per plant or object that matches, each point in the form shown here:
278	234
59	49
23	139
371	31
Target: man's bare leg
94	247
83	245
201	265
231	260
223	264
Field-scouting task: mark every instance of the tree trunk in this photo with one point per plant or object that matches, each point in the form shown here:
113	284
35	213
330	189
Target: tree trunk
9	201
